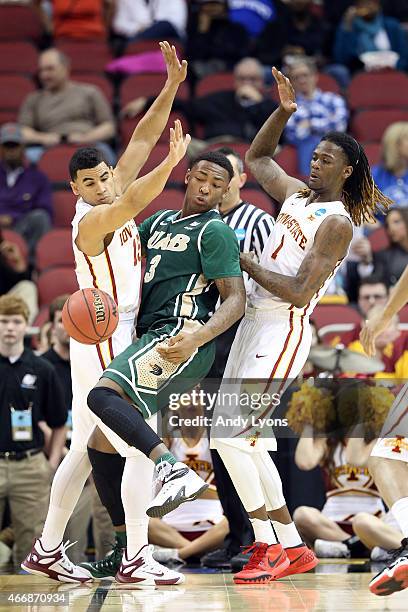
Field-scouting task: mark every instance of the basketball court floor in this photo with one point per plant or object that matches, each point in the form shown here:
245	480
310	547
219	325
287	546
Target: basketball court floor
336	586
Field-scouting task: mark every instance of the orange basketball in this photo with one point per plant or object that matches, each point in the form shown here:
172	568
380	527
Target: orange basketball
90	316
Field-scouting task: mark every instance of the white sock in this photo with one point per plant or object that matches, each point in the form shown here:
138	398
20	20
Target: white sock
69	480
400	512
136	494
288	535
263	531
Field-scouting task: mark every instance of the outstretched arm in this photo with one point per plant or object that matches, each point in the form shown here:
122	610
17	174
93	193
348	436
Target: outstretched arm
104	219
267	172
151	126
233	298
330	246
379	321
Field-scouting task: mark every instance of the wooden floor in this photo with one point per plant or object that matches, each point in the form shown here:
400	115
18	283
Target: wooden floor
329	590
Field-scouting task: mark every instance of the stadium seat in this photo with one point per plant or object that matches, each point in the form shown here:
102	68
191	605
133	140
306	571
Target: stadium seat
8	115
378	90
259	198
169	199
325	82
127	127
54	249
379	239
142	46
333	320
11	236
87	56
370	125
156	157
20	23
403	315
287	158
54	163
14	89
95	79
18	57
54	282
148	85
220	81
373	152
64	207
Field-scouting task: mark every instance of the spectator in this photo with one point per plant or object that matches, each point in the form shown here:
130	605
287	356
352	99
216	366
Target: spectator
58	356
296	31
25	192
65	111
318	112
253	16
391	175
154	19
364	29
388	263
235	114
84	20
214	43
14	276
29	393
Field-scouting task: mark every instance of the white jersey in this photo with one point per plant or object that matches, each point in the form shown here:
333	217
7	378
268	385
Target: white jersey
117	270
289	243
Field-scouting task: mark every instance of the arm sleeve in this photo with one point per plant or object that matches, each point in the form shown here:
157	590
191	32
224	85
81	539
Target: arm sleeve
54	407
219	251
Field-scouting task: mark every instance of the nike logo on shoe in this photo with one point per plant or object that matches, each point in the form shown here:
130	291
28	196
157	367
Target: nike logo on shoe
176	474
153	574
260	356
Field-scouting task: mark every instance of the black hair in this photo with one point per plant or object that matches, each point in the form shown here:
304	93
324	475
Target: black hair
228	151
373	279
216	158
86	157
362	198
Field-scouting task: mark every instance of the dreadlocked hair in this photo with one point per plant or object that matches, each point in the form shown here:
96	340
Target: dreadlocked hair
362	197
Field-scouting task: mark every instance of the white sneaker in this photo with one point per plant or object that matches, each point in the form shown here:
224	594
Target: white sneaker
143	570
5	553
180	484
167	555
334	550
148	601
54	564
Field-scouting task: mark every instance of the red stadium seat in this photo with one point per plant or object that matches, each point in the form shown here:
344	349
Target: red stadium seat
127	127
259	198
8	115
20	23
95	79
14	89
373	152
220	81
54	282
11	236
64	208
334	320
287	159
55	249
156	157
378	90
147	85
87	56
54	163
403	315
142	46
370	125
325	82
379	239
20	57
169	199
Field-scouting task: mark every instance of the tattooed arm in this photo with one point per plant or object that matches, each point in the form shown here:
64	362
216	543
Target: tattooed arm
259	156
233	296
330	246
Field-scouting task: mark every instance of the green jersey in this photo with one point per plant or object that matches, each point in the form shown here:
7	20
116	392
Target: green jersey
183	258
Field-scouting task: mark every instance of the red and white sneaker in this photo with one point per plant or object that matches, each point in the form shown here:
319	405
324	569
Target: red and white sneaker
393	577
264	565
145	571
54	564
301	558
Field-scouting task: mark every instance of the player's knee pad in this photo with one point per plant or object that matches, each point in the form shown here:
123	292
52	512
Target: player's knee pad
99	399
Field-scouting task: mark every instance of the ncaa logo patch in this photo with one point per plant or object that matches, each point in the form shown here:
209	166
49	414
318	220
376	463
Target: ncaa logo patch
240	234
320	212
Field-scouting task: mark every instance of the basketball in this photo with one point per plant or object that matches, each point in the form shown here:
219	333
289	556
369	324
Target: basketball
90	316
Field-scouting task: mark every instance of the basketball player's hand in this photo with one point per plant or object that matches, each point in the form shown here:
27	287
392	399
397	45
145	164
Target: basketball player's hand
373	327
179	348
178	143
247	258
176	71
286	92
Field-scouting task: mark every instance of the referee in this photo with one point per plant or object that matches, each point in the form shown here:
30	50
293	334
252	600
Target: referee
252	227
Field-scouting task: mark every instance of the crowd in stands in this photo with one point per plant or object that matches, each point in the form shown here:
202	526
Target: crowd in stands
63	87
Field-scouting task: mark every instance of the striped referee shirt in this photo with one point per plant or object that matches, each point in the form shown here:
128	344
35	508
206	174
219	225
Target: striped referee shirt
252	226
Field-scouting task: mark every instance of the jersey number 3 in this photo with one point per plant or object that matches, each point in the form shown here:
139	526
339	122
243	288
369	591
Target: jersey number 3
149	274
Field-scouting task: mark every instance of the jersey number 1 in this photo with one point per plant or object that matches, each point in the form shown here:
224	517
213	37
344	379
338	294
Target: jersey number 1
276	251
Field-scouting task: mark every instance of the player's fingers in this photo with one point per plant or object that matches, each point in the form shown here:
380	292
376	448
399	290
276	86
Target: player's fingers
187	140
172	134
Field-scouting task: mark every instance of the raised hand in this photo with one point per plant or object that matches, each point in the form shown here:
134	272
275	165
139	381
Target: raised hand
176	72
178	143
286	92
